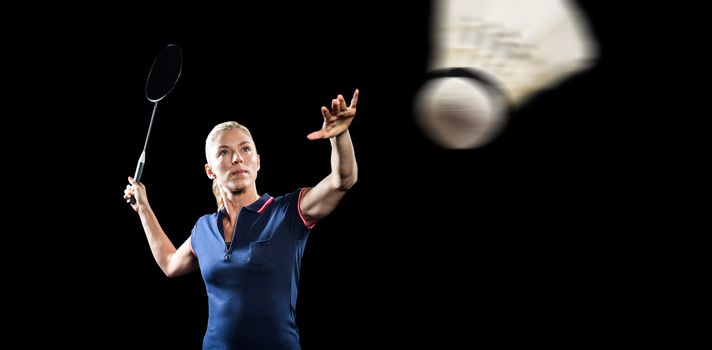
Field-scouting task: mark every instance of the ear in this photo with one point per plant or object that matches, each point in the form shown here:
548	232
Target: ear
258	162
209	171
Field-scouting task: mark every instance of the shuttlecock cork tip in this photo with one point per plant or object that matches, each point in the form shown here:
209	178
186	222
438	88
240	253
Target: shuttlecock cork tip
459	112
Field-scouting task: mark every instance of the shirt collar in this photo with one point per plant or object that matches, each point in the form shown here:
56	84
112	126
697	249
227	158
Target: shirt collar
257	207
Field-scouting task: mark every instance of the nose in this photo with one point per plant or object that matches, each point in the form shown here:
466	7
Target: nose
236	158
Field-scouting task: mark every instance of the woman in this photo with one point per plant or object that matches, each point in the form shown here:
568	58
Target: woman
249	251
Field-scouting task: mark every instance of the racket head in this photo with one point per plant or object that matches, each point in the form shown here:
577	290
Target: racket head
164	74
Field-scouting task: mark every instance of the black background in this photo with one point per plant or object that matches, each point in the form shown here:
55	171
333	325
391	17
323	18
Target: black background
503	243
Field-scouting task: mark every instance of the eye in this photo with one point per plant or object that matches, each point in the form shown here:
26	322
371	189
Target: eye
246	149
223	152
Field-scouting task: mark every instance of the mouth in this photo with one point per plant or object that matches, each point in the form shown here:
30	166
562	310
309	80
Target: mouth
238	172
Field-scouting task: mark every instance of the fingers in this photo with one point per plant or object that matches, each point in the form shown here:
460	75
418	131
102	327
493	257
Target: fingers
336	120
338	104
325	112
335	109
342	102
354	100
128	192
133	188
316	135
320	134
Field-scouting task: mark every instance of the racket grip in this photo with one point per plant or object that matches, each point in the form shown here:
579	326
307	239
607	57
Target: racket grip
137	177
139	172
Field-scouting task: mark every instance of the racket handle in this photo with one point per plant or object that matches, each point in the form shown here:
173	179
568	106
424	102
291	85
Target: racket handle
137	175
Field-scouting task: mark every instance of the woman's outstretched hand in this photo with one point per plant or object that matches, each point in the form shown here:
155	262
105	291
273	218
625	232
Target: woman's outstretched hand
336	121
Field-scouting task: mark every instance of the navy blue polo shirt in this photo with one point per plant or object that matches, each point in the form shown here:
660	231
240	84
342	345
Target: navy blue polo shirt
252	283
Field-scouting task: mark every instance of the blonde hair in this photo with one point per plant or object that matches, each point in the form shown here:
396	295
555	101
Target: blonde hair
213	133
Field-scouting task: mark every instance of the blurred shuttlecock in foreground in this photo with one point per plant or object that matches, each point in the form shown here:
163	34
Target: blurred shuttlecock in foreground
492	55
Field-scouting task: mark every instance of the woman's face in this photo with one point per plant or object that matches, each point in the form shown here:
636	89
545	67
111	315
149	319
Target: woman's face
233	160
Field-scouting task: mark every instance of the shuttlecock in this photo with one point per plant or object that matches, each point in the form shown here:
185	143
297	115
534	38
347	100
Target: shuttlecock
492	55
